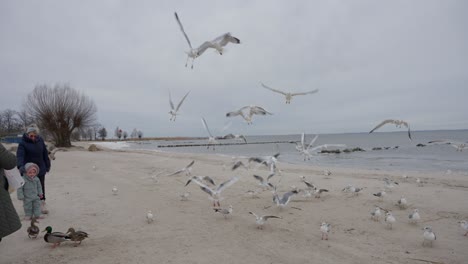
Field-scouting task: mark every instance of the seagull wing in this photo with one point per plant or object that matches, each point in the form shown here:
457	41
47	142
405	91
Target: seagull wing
210	180
206	126
243	138
312	142
170	101
177	172
181	101
305	93
286	196
227	183
381	124
235	113
303	140
182	29
207	190
259	178
252	213
224	39
257	110
266	217
190	165
203	47
273	90
409	132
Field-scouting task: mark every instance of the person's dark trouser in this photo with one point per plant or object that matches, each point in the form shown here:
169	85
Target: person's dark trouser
42	179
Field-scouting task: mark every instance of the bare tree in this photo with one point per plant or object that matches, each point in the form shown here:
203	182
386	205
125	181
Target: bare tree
118	133
60	110
26	119
102	133
9	122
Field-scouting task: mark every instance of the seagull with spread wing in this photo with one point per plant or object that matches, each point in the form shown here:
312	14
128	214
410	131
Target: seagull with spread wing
218	43
215	193
261	220
307	150
288	95
187	169
211	139
247	112
397	123
460	146
174	111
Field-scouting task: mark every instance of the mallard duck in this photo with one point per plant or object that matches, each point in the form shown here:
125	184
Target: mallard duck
77	236
56	237
33	230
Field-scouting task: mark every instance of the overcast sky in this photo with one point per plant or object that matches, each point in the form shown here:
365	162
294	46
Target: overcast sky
371	60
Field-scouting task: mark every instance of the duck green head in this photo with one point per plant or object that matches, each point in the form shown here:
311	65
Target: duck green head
48	229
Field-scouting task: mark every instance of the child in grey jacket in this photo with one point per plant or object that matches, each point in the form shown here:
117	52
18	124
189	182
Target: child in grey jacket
31	192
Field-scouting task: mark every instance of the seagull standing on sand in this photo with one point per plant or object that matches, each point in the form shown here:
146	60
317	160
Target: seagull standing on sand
211	139
149	217
375	215
402	203
218	43
115	190
398	124
380	194
414	217
389	184
325	229
184	196
224	211
174	111
187	169
419	182
247	112
215	193
464	225
389	219
428	235
288	95
261	220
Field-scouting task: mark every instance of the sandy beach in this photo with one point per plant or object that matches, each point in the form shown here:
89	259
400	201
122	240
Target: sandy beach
79	195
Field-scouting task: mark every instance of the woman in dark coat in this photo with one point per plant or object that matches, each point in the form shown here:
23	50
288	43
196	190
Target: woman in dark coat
9	220
33	149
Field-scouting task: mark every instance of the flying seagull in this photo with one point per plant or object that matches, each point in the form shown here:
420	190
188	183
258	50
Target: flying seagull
236	137
174	111
284	200
288	95
215	193
460	146
306	150
218	43
187	169
247	112
264	183
211	140
397	123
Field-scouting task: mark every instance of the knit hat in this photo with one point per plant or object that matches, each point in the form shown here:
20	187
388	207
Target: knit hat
30	165
31	129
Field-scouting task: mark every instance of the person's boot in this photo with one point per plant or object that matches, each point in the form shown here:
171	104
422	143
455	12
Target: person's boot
44	208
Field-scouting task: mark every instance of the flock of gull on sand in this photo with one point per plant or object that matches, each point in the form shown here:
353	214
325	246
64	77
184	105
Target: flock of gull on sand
281	200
